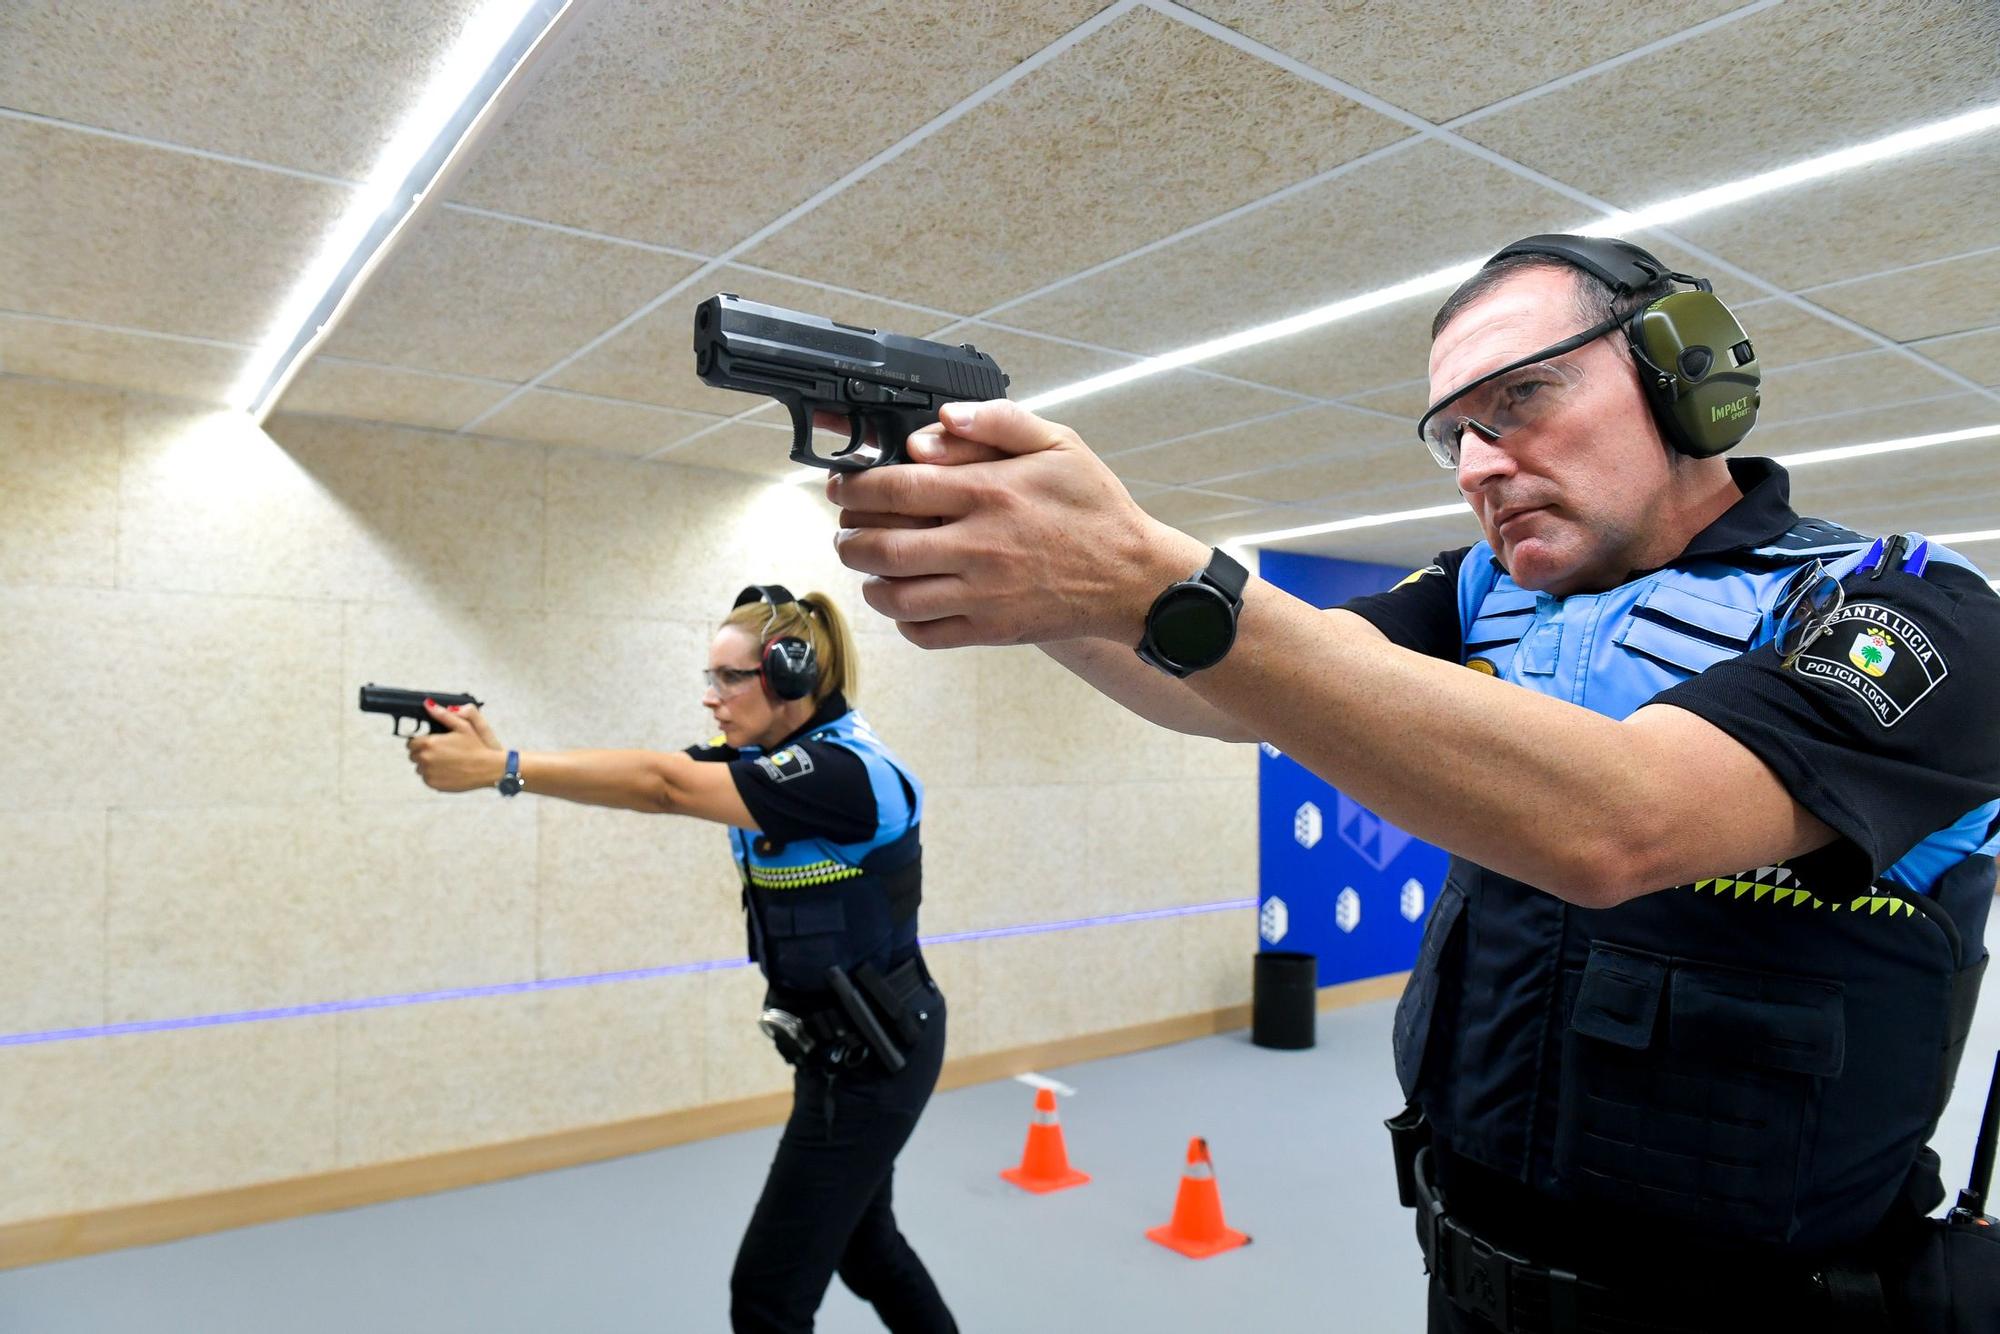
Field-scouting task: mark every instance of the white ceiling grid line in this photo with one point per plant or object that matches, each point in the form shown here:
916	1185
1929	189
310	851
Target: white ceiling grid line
197	340
1904	268
1505	163
167	146
1424	129
1208	224
1588	72
583	233
1132	451
972	101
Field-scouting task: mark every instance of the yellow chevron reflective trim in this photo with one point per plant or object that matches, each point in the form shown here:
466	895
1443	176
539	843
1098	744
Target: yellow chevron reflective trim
802	877
1795	897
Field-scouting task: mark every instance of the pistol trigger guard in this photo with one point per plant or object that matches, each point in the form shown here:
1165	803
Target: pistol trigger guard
802	430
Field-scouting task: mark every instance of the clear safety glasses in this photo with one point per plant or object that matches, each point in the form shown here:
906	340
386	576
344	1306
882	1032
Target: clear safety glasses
727	682
1503	401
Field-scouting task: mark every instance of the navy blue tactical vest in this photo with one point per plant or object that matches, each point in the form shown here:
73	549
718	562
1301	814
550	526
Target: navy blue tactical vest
1756	1059
812	904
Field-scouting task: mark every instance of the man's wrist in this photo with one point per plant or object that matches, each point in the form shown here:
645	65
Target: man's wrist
497	766
1166	556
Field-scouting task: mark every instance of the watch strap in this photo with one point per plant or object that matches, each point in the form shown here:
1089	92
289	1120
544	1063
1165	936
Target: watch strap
1225	575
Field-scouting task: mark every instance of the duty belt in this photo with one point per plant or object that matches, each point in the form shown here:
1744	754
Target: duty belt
1519	1296
875	1014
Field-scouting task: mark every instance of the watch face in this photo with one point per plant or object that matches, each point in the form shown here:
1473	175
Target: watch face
1193	627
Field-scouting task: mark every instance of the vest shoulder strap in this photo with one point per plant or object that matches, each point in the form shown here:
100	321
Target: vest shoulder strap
1815	537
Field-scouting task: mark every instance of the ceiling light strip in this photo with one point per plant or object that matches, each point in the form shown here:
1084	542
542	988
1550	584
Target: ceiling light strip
489	59
1424	130
1840	453
1348	525
1655	215
1436	281
1485	154
1670	211
1789	461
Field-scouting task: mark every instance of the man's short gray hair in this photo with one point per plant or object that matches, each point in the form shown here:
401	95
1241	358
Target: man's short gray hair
1592	298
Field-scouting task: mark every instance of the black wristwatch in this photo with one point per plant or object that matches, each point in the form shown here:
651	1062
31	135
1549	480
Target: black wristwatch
511	782
1193	623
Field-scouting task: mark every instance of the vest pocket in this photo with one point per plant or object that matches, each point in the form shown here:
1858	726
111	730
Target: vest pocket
1416	1011
1689	1092
808	935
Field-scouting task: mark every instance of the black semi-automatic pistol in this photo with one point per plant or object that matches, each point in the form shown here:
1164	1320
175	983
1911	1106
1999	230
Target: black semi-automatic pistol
401	704
886	385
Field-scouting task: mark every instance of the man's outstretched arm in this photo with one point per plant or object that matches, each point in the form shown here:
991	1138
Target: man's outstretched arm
1045	545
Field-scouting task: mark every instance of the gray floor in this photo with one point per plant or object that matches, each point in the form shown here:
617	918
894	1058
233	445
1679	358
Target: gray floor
645	1243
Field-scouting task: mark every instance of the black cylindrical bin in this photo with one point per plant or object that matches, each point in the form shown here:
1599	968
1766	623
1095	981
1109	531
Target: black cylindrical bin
1284	999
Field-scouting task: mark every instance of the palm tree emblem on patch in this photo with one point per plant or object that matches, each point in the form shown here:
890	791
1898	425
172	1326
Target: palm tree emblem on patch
1871	652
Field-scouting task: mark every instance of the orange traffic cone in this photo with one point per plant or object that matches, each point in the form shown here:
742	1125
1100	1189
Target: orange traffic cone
1044	1162
1197	1230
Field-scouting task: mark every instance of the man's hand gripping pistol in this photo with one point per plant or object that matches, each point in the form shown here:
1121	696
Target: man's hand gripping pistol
886	385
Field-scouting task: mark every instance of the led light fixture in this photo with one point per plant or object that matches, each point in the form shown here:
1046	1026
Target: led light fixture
1803	459
1618	224
487	62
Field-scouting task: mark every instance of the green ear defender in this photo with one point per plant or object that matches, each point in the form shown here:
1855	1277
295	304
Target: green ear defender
1696	365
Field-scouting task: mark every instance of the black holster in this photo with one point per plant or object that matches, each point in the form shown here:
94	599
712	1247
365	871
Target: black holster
872	1015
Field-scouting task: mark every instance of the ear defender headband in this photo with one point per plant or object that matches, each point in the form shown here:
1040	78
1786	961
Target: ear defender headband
789	664
1696	365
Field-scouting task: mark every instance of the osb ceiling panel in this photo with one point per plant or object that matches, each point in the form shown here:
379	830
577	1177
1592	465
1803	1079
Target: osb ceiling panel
1446	58
316	87
695	124
1067	184
1788	82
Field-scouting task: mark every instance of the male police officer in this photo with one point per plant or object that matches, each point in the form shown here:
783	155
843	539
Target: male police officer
1720	787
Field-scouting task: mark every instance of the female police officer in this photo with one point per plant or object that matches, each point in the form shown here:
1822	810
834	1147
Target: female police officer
823	821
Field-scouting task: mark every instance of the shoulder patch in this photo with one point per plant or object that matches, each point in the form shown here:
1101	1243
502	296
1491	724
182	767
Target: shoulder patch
1415	575
782	766
1877	653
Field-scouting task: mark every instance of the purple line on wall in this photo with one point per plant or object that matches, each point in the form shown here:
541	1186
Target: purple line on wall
558	983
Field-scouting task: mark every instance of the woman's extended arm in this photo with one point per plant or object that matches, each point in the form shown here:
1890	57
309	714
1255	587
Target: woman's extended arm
468	755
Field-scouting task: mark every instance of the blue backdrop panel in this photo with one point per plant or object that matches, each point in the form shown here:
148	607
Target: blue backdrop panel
1334	879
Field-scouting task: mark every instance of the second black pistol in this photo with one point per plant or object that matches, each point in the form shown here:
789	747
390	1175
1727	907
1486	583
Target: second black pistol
402	704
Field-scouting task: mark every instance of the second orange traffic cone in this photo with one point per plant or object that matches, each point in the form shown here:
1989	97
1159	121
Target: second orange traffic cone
1197	1230
1045	1162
